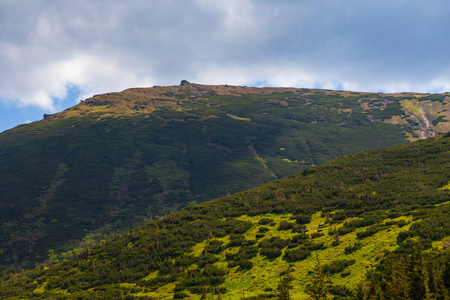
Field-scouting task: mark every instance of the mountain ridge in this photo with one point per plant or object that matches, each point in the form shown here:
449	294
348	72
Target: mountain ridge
147	100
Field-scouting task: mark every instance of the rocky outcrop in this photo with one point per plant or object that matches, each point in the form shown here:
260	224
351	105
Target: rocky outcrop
426	129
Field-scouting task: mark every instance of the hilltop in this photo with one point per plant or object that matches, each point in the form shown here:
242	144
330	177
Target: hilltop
426	114
120	160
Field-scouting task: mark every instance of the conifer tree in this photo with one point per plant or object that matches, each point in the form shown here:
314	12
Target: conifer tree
432	283
416	275
443	282
396	279
318	290
441	292
360	291
284	286
446	272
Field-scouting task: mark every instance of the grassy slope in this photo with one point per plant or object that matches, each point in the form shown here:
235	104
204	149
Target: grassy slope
108	164
400	191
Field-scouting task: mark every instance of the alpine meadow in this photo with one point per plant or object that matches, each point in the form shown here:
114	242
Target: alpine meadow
229	192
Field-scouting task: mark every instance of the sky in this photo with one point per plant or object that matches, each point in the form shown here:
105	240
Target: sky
55	53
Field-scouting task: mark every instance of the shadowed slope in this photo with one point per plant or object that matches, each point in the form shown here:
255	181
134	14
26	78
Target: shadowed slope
348	210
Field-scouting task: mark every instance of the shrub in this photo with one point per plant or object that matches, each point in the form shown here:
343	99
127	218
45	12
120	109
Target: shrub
180	295
303	219
352	248
247	252
263	229
265	221
297	254
337	266
273	242
284	225
245	264
236	240
316	235
340	290
271	252
298	240
368	232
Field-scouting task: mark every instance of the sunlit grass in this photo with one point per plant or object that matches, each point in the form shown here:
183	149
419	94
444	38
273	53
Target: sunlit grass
264	277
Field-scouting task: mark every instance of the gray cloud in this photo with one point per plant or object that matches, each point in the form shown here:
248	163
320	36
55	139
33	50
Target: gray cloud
102	46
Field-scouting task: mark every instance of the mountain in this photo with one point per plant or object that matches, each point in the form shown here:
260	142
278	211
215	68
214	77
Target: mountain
352	227
119	160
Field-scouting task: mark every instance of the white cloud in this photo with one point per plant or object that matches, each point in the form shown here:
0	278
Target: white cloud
102	46
236	18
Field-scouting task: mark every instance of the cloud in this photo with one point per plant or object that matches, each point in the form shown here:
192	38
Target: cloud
102	46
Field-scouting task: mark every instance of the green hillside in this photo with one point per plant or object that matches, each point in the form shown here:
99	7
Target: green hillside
119	160
331	227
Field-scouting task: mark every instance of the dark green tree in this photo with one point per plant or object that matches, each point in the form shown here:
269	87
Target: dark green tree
446	272
359	292
396	279
416	274
318	289
284	286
